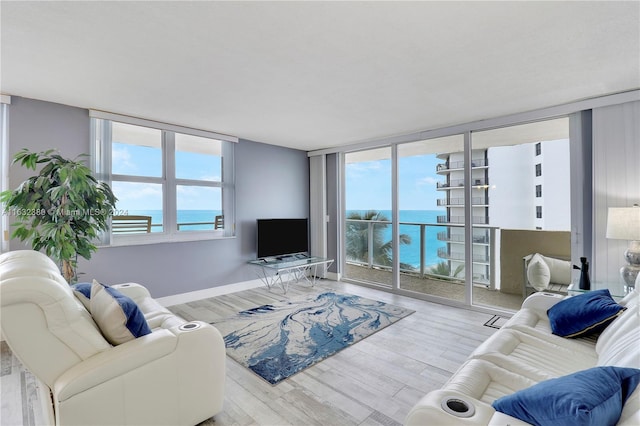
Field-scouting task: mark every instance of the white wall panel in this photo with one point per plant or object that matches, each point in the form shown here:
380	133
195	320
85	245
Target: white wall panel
317	206
616	181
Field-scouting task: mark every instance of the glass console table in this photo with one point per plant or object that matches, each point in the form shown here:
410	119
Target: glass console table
281	272
618	291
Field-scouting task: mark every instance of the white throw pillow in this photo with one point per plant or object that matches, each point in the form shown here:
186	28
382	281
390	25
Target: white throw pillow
560	270
117	315
538	273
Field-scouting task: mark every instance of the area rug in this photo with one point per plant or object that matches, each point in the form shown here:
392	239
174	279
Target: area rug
278	340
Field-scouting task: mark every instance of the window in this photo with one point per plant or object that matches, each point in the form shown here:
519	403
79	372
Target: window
172	183
538	169
538	191
538	212
538	148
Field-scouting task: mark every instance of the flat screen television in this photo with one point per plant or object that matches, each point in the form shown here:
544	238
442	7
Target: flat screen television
282	237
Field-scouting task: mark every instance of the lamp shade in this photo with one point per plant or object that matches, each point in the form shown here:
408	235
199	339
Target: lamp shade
623	223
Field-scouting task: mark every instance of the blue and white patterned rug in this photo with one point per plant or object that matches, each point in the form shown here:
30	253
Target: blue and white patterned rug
278	340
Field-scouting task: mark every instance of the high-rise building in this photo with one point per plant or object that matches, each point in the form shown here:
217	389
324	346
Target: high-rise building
523	186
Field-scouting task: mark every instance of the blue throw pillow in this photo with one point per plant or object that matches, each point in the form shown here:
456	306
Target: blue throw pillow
118	316
585	314
82	291
589	397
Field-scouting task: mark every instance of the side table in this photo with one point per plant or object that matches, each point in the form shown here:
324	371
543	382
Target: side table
281	272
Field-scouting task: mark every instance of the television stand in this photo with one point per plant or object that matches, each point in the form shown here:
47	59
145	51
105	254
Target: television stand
281	272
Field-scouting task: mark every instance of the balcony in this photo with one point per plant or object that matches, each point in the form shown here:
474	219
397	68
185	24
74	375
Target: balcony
424	241
423	276
476	201
477	258
459	238
477	220
459	183
459	165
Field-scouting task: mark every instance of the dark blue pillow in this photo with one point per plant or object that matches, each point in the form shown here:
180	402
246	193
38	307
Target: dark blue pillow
585	314
589	397
82	291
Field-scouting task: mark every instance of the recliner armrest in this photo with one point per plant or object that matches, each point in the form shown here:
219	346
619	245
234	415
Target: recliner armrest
542	301
429	410
126	357
171	376
135	291
114	362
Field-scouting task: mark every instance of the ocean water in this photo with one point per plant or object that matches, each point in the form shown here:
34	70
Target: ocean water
409	253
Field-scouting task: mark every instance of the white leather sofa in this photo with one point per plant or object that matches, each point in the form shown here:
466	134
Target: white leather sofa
523	353
171	376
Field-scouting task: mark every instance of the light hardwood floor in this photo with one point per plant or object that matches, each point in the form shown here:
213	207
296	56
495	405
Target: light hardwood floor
373	382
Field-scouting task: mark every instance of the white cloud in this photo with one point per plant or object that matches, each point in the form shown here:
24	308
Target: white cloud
121	160
427	180
210	178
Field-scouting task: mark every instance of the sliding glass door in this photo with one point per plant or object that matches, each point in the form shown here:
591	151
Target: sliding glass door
524	207
368	237
431	213
470	209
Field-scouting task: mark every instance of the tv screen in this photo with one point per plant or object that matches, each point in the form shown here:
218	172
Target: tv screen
281	237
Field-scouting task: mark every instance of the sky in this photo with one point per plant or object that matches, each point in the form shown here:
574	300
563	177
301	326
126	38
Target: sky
368	184
139	160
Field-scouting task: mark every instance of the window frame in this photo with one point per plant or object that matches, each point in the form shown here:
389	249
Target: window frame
5	101
101	162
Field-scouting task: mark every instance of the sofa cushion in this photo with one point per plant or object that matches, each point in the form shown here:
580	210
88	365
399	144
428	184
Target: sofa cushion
486	381
589	397
538	273
536	323
117	315
521	352
620	345
585	314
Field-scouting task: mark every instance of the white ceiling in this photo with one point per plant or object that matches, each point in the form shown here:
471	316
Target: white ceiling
313	75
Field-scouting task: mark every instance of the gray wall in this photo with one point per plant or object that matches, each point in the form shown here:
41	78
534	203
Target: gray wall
270	182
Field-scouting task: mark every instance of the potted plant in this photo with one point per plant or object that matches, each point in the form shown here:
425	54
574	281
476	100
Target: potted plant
60	210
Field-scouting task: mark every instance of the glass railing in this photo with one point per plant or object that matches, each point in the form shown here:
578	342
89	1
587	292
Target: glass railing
476	201
477	220
482	162
196	226
458	238
368	244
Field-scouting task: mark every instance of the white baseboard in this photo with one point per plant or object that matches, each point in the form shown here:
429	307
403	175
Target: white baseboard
334	276
191	296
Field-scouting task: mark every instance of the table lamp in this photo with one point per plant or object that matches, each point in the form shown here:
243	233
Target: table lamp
623	223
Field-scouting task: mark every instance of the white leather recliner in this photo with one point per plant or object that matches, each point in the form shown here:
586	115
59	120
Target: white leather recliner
173	376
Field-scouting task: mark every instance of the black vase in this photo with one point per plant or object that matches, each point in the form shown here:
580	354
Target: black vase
585	282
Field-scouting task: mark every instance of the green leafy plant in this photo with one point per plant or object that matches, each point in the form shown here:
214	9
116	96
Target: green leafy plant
60	210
